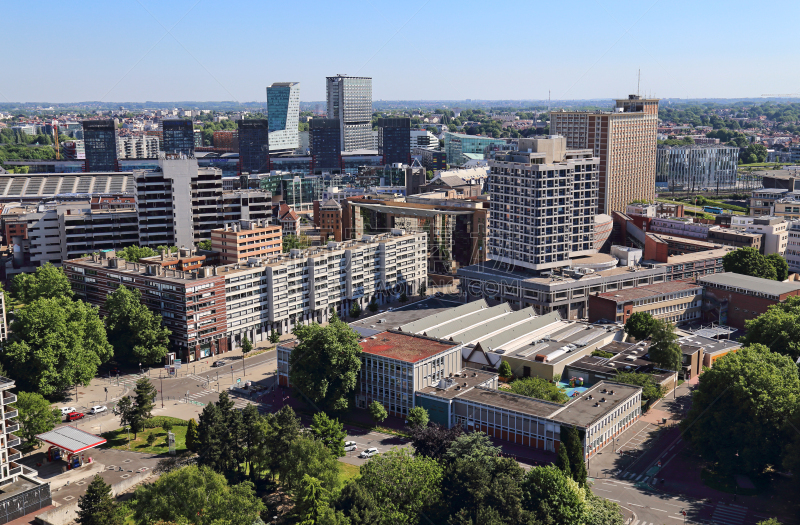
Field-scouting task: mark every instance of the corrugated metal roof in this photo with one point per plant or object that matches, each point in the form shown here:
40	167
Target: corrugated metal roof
426	323
455	327
750	284
71	439
495	326
521	330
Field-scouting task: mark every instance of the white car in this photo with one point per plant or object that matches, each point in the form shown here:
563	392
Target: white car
350	445
67	410
97	409
368	453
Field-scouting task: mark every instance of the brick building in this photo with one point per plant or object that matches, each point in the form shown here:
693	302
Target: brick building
328	217
674	301
731	298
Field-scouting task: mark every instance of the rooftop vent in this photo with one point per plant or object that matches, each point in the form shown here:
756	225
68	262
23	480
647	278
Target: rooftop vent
373	337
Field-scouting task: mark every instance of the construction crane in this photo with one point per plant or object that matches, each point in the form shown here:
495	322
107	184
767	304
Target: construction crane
58	148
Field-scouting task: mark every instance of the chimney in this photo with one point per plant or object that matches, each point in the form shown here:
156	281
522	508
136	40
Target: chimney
163	254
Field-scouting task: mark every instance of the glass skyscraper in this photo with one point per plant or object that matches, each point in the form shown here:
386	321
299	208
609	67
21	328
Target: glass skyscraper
350	102
325	142
283	111
394	140
178	136
100	142
254	142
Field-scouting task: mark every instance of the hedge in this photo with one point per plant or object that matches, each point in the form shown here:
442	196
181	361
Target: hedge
155	422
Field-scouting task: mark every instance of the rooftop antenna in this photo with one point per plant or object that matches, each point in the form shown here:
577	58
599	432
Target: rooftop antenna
638	82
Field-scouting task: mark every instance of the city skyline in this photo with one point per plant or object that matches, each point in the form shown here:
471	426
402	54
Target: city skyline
186	51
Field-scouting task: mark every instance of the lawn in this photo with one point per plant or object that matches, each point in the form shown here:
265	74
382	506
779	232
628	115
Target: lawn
347	471
119	439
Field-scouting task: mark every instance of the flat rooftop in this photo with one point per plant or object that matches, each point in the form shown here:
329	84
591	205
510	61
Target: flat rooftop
709	345
451	387
645	292
403	347
582	411
509	401
749	284
694	257
486	271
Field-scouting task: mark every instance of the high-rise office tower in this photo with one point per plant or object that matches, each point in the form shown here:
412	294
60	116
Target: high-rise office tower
394	140
254	145
543	203
350	102
283	111
100	143
178	136
625	142
325	144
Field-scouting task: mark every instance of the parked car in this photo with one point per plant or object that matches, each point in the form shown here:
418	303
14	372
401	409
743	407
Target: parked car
219	362
98	409
67	410
350	445
72	416
368	453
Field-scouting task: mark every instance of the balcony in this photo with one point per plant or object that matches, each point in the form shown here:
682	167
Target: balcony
11	426
8	397
14	454
11	413
14	469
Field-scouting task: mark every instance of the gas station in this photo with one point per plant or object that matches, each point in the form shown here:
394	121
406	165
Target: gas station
70	444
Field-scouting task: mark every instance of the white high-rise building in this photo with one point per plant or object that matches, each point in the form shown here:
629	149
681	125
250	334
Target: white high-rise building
283	111
350	102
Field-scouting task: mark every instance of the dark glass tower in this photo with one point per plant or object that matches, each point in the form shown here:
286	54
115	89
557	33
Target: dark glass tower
254	146
177	136
394	140
100	141
325	141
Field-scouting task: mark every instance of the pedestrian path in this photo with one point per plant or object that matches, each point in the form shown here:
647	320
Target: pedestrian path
729	514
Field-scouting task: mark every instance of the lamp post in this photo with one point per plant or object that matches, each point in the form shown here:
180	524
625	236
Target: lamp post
162	392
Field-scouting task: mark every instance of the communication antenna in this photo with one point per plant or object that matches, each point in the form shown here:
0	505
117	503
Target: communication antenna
548	101
639	82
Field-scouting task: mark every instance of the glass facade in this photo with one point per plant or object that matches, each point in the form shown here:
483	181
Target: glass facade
100	142
283	111
325	143
394	140
694	168
178	136
456	144
254	140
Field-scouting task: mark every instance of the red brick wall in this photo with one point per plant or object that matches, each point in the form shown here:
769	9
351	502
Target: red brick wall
601	308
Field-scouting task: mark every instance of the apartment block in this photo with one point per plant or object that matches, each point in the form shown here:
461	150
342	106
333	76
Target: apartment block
138	147
676	302
431	159
774	231
239	241
543	204
792	253
625	142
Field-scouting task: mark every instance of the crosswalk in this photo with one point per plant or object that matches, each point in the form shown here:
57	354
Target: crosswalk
638	522
729	514
127	380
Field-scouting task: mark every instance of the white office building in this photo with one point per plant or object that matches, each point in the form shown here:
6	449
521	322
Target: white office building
283	111
350	102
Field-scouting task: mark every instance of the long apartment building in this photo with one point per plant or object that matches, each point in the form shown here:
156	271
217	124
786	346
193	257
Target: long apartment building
625	142
543	204
211	310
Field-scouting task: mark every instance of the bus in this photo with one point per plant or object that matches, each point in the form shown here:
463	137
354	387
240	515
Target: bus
712	209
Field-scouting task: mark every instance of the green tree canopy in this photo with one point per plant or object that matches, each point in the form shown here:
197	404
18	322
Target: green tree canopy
56	344
505	369
778	328
325	363
192	435
651	390
36	416
554	497
749	261
538	388
433	440
781	266
330	432
664	349
133	253
377	412
640	325
48	282
418	417
308	456
198	495
97	505
204	245
135	332
571	440
741	407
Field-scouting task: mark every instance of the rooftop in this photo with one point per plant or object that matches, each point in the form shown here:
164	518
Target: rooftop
696	256
403	347
748	284
451	387
509	401
653	290
71	439
582	412
394	318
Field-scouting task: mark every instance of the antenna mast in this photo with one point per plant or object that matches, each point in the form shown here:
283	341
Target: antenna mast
639	82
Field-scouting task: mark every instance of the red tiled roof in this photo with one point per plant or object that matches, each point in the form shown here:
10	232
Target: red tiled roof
403	347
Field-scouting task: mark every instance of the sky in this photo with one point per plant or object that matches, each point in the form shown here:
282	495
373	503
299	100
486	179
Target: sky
204	50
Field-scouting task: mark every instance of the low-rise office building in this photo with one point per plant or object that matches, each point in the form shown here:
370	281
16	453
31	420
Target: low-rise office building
676	302
239	241
732	299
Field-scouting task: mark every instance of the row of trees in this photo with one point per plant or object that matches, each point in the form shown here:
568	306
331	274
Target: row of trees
749	261
57	342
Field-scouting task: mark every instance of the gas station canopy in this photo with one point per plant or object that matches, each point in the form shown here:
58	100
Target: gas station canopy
71	439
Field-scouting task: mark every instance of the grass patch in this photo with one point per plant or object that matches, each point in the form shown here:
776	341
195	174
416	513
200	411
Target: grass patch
727	483
118	439
348	471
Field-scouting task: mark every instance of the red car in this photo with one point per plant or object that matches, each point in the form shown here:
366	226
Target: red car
73	416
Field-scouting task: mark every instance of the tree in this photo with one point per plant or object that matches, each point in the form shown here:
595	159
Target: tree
739	409
603	511
133	253
308	456
125	411
151	439
778	328
664	350
283	428
749	261
377	412
134	412
403	297
191	435
651	389
554	497
135	332
48	282
433	440
97	506
247	347
538	388
402	485
562	460
505	369
274	337
373	304
780	265
640	325
36	416
56	344
572	441
325	363
166	425
330	432
418	417
198	495
355	311
204	245
312	503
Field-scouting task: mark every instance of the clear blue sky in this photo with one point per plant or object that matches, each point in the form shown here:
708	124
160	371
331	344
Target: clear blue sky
119	50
